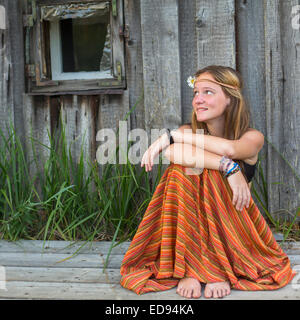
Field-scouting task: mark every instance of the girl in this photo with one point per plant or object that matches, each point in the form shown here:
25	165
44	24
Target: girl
202	225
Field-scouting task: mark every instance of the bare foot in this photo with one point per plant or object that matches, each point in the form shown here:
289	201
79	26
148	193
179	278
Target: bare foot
189	288
217	289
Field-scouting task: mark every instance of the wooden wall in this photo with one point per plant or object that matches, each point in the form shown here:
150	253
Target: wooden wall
169	40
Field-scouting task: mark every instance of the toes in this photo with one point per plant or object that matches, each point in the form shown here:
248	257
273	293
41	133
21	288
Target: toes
216	290
179	291
215	293
186	288
183	292
197	294
208	293
186	293
189	293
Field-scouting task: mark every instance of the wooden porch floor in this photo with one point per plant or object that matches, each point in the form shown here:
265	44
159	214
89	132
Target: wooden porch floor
27	271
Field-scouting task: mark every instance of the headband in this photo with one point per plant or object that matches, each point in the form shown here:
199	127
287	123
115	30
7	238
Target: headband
192	80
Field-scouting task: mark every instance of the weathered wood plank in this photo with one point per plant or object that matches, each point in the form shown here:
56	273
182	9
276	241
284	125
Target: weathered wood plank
251	65
110	110
96	291
57	260
78	118
188	54
91	291
63	247
94	247
16	86
117	41
6	103
161	63
134	63
80	275
37	130
251	57
215	30
274	106
290	117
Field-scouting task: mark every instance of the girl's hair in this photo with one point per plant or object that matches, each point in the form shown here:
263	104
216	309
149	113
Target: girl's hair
237	115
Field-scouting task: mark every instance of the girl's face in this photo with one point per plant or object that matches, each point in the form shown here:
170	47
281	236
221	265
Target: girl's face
209	100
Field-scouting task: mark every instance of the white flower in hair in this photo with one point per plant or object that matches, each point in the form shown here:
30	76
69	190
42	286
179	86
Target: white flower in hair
191	81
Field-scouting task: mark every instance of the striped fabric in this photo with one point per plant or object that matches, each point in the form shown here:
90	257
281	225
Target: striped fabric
192	229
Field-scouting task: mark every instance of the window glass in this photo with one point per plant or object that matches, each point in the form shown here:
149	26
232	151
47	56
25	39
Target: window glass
85	44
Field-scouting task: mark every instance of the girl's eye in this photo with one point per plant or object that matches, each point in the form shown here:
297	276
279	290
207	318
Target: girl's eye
209	92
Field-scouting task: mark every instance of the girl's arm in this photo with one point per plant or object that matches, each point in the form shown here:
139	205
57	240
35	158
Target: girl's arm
184	151
188	155
216	145
247	147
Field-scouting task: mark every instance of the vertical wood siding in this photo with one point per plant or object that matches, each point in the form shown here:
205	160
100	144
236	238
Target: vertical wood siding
160	47
250	61
289	120
168	41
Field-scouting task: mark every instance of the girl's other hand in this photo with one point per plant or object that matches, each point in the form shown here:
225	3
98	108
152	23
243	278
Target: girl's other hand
241	192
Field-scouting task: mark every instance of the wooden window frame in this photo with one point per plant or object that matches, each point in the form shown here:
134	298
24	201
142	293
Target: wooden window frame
38	56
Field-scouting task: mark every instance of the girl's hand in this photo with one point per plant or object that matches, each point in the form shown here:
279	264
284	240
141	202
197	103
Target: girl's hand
150	154
241	192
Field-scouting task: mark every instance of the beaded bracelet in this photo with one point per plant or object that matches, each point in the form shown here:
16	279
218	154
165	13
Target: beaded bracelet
233	170
170	136
224	160
229	163
234	166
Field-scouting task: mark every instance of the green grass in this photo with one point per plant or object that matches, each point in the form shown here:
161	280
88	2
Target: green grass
69	200
63	209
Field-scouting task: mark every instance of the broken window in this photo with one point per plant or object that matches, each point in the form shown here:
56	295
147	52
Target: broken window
75	46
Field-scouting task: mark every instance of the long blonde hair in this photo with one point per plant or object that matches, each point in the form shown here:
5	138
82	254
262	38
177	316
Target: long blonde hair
237	114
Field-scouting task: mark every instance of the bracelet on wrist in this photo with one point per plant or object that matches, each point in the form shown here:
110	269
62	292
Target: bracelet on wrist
228	167
225	164
233	170
171	140
234	166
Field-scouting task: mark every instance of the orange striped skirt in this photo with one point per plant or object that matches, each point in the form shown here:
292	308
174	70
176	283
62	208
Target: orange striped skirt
192	229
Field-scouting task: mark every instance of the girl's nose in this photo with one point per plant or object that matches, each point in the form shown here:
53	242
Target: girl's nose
199	98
